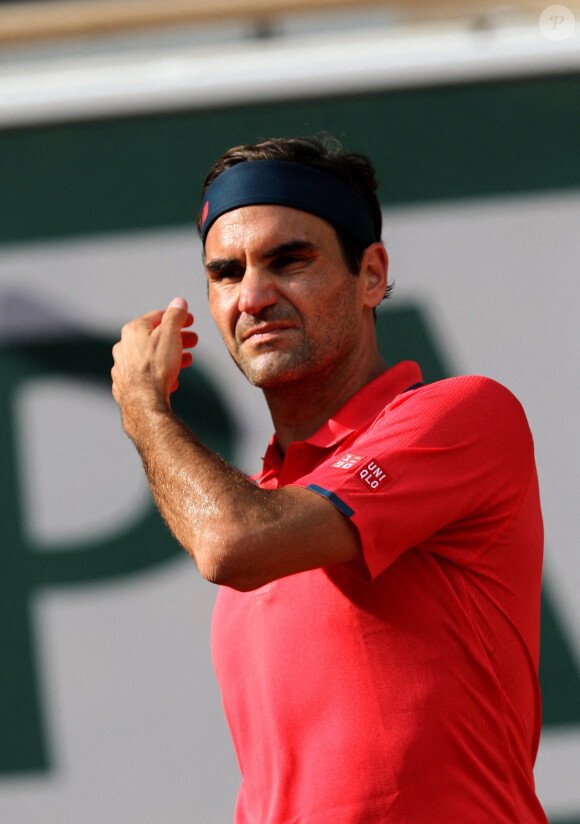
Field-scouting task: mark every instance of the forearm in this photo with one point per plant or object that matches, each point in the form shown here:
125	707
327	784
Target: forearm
239	535
219	516
207	504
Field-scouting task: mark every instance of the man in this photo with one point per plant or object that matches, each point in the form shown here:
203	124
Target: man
376	632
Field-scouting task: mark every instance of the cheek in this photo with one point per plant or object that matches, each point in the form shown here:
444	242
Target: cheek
334	306
222	312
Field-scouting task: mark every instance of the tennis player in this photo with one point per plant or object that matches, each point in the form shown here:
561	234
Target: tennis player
376	631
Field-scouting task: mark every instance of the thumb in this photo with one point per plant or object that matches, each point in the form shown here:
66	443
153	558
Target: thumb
178	303
177	314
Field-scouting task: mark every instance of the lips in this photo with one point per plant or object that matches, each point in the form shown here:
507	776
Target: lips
265	329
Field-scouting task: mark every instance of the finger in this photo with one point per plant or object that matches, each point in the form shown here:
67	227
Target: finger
151	319
189	340
114	383
187	319
142	325
186	360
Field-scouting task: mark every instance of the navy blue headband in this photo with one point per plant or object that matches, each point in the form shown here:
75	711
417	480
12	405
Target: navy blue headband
283	183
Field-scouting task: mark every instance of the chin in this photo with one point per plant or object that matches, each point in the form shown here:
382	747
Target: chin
272	378
278	369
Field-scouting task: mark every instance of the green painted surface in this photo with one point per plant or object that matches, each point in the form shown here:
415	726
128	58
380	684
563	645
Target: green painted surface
428	144
24	570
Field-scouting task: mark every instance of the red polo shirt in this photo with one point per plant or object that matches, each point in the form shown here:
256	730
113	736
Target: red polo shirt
402	689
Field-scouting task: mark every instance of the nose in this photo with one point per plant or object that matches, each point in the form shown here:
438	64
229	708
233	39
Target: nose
257	291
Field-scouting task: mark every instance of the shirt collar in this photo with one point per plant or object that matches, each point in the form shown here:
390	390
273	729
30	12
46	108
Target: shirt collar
364	405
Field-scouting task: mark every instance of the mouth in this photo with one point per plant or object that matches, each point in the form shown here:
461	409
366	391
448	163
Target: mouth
266	332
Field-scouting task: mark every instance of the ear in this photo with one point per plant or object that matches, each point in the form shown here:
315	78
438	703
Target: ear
373	271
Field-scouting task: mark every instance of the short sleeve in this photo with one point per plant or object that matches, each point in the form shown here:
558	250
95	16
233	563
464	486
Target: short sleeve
441	469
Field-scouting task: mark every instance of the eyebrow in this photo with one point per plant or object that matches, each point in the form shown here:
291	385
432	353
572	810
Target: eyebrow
221	264
291	246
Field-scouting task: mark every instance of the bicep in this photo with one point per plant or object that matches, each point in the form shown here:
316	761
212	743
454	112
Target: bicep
300	530
326	534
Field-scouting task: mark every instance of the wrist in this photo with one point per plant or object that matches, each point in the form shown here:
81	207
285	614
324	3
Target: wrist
142	415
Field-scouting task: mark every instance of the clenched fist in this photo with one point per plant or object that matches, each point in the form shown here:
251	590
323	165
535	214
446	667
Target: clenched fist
148	358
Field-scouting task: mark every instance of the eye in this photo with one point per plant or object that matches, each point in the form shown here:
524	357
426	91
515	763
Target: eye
286	261
224	274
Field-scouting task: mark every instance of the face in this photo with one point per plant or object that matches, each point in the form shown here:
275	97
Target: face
280	293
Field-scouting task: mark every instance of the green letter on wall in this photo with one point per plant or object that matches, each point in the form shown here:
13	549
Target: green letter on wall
24	570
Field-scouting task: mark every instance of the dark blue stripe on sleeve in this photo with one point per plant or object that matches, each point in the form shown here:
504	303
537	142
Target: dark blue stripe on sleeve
339	504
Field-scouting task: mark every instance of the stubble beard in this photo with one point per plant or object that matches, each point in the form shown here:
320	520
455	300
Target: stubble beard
307	363
278	369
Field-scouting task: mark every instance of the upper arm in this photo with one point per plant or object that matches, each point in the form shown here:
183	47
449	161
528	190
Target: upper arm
443	471
296	530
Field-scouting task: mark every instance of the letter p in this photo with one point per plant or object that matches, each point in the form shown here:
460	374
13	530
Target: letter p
24	570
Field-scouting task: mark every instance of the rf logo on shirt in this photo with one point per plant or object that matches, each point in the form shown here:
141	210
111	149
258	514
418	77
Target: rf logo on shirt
347	461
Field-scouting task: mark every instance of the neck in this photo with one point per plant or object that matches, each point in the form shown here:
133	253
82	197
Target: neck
300	409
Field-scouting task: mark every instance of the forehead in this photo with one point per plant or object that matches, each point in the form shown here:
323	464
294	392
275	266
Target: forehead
262	227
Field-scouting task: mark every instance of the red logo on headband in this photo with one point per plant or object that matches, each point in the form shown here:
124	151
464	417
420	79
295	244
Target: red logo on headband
205	211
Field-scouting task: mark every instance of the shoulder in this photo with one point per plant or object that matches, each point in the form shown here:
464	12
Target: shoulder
461	386
464	408
473	393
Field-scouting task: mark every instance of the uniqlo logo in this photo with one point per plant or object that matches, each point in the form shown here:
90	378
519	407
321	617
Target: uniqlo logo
373	476
348	460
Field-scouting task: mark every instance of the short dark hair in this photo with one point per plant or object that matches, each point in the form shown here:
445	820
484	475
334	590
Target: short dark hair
324	153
